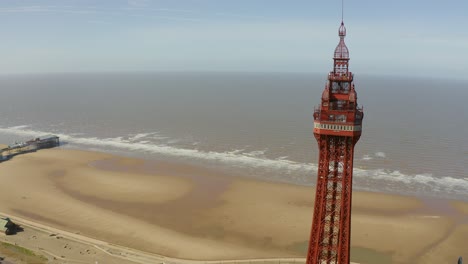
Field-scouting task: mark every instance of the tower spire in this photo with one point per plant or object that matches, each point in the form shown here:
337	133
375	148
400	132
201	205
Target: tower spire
341	56
341	51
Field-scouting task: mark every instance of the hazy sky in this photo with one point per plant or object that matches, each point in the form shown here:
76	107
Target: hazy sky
398	37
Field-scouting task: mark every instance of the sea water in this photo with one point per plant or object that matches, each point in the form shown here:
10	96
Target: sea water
253	124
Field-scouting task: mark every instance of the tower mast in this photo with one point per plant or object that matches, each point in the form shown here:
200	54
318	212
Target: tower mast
337	128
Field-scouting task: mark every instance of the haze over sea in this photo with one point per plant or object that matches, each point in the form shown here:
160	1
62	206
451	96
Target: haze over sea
254	124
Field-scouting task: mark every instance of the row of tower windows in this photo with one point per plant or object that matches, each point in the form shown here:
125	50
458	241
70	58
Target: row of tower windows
337	127
342	87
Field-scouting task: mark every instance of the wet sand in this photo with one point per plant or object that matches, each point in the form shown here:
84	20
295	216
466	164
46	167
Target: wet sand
190	212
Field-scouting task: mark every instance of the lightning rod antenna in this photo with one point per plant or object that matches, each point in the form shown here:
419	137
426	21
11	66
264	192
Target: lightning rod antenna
342	10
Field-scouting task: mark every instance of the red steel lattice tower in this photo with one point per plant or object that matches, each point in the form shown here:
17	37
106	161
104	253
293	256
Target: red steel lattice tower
337	128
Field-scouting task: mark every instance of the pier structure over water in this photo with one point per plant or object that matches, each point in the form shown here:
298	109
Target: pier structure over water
17	148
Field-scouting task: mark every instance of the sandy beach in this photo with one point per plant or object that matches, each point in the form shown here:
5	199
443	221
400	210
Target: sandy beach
189	212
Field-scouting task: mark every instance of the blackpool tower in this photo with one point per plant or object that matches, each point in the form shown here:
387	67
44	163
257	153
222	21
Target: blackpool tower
337	128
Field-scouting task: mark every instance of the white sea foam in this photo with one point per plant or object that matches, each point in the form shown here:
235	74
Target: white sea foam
156	136
76	134
380	155
366	157
255	153
145	137
257	159
235	152
139	136
246	159
20	127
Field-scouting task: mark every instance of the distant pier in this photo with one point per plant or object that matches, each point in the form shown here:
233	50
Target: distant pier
49	141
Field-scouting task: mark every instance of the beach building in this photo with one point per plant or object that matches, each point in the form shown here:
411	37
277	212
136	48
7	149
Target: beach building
18	148
48	141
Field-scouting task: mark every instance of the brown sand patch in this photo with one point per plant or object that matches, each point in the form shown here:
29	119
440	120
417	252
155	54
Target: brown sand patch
198	213
281	216
384	204
405	237
277	214
448	251
37	181
203	194
124	187
461	207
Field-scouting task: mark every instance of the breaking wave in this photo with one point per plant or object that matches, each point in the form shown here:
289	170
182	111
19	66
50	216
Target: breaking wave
237	157
295	172
380	154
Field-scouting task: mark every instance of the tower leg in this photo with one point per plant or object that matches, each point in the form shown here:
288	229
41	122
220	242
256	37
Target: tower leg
330	233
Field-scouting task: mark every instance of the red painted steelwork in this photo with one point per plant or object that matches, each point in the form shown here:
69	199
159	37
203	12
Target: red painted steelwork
337	128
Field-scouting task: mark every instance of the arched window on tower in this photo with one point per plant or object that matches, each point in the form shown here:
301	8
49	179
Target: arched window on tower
335	87
345	87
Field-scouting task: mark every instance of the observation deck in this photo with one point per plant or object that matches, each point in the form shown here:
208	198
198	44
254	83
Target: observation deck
346	123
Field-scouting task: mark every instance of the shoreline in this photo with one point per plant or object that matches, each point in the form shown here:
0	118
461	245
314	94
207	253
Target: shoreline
243	175
379	175
148	205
